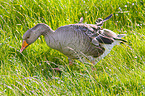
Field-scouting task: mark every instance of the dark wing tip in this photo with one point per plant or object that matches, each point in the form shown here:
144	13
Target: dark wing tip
120	39
104	39
108	17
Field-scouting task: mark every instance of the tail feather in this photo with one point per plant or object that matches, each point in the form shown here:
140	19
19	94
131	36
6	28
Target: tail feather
120	39
121	35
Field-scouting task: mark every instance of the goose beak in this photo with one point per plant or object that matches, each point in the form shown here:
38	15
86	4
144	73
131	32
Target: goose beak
24	45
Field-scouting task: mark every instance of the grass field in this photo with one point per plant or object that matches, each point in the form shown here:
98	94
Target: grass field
122	72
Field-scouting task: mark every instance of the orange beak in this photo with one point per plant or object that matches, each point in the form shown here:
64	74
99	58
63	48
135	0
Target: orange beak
24	45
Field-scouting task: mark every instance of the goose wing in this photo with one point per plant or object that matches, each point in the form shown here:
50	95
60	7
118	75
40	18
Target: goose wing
90	30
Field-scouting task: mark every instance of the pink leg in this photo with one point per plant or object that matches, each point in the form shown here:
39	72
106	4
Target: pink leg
57	69
70	64
93	62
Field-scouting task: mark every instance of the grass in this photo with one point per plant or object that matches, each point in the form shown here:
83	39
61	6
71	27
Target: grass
122	72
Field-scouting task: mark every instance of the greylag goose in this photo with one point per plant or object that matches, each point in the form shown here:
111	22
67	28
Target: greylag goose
76	40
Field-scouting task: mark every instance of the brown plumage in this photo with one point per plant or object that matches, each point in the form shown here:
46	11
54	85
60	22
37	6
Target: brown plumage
75	40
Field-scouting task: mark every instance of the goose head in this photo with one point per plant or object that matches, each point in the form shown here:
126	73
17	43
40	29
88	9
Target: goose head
32	34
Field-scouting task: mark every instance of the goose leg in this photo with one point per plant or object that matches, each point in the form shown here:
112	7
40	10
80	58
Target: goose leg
70	64
57	69
92	66
94	62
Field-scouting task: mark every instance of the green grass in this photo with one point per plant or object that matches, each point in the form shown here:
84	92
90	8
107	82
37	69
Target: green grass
122	72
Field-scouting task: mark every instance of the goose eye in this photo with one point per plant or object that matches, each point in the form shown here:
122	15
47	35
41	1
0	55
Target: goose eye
28	37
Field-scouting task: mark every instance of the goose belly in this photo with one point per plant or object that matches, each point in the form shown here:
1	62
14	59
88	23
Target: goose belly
108	48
